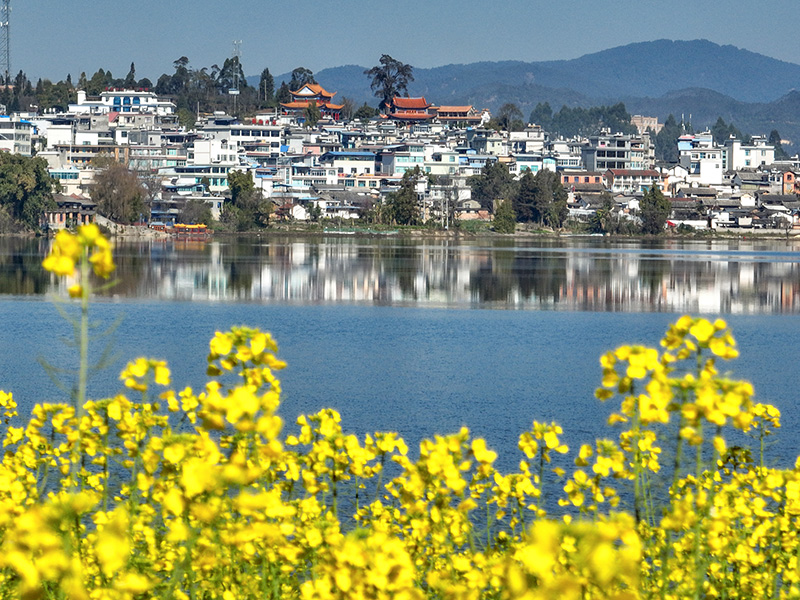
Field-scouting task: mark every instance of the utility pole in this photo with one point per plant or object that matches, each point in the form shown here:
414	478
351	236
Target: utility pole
5	39
234	91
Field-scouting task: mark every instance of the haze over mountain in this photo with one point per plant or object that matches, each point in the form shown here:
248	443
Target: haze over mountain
697	78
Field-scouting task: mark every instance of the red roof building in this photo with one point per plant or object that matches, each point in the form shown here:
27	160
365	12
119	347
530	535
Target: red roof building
316	94
632	180
410	109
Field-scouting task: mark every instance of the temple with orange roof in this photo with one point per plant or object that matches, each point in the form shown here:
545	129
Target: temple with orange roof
410	109
308	93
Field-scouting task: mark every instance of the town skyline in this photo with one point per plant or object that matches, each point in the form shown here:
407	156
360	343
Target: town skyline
152	35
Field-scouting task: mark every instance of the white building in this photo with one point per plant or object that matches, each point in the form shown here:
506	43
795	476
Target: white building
701	159
123	101
15	135
751	156
349	162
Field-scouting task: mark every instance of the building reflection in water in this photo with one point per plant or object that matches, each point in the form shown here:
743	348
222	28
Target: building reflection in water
591	274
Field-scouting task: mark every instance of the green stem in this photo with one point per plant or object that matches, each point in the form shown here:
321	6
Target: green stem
83	370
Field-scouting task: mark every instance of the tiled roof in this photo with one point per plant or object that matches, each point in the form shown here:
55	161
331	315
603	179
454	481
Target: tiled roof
306	103
461	109
410	102
316	88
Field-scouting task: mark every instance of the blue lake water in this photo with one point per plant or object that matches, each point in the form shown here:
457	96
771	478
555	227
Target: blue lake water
424	337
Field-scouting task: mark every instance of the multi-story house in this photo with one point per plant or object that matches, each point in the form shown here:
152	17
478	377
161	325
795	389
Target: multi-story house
397	159
488	141
122	100
701	158
349	162
618	151
747	156
629	181
531	140
15	135
460	116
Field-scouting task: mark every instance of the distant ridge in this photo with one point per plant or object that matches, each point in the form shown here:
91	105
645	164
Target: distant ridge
655	78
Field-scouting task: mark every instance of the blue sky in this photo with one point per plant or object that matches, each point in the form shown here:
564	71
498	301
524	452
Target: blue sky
50	39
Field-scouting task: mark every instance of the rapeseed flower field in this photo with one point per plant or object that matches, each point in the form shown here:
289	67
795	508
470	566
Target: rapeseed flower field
201	494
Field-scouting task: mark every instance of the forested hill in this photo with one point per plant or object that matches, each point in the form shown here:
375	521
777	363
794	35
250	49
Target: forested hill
697	78
645	69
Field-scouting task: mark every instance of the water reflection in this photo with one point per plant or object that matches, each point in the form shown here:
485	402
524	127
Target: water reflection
592	274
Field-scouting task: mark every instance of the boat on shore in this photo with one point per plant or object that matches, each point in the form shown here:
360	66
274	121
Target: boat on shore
184	230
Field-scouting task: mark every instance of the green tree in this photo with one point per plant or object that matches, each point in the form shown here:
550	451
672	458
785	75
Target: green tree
403	205
723	131
186	118
348	108
284	94
542	115
196	212
505	220
524	201
654	210
389	79
542	199
231	76
130	78
240	184
300	77
97	83
494	183
119	194
313	114
604	220
26	188
509	117
266	87
247	208
666	141
365	113
776	141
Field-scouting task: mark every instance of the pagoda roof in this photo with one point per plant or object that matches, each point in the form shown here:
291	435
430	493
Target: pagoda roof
306	103
313	89
410	102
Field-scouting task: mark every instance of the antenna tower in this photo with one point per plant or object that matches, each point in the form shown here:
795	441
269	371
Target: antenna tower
5	39
234	91
237	53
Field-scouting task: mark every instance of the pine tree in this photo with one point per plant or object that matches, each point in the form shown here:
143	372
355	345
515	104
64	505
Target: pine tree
654	211
505	221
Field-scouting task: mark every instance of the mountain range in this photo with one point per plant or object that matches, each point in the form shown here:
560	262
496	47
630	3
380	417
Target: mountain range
698	79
